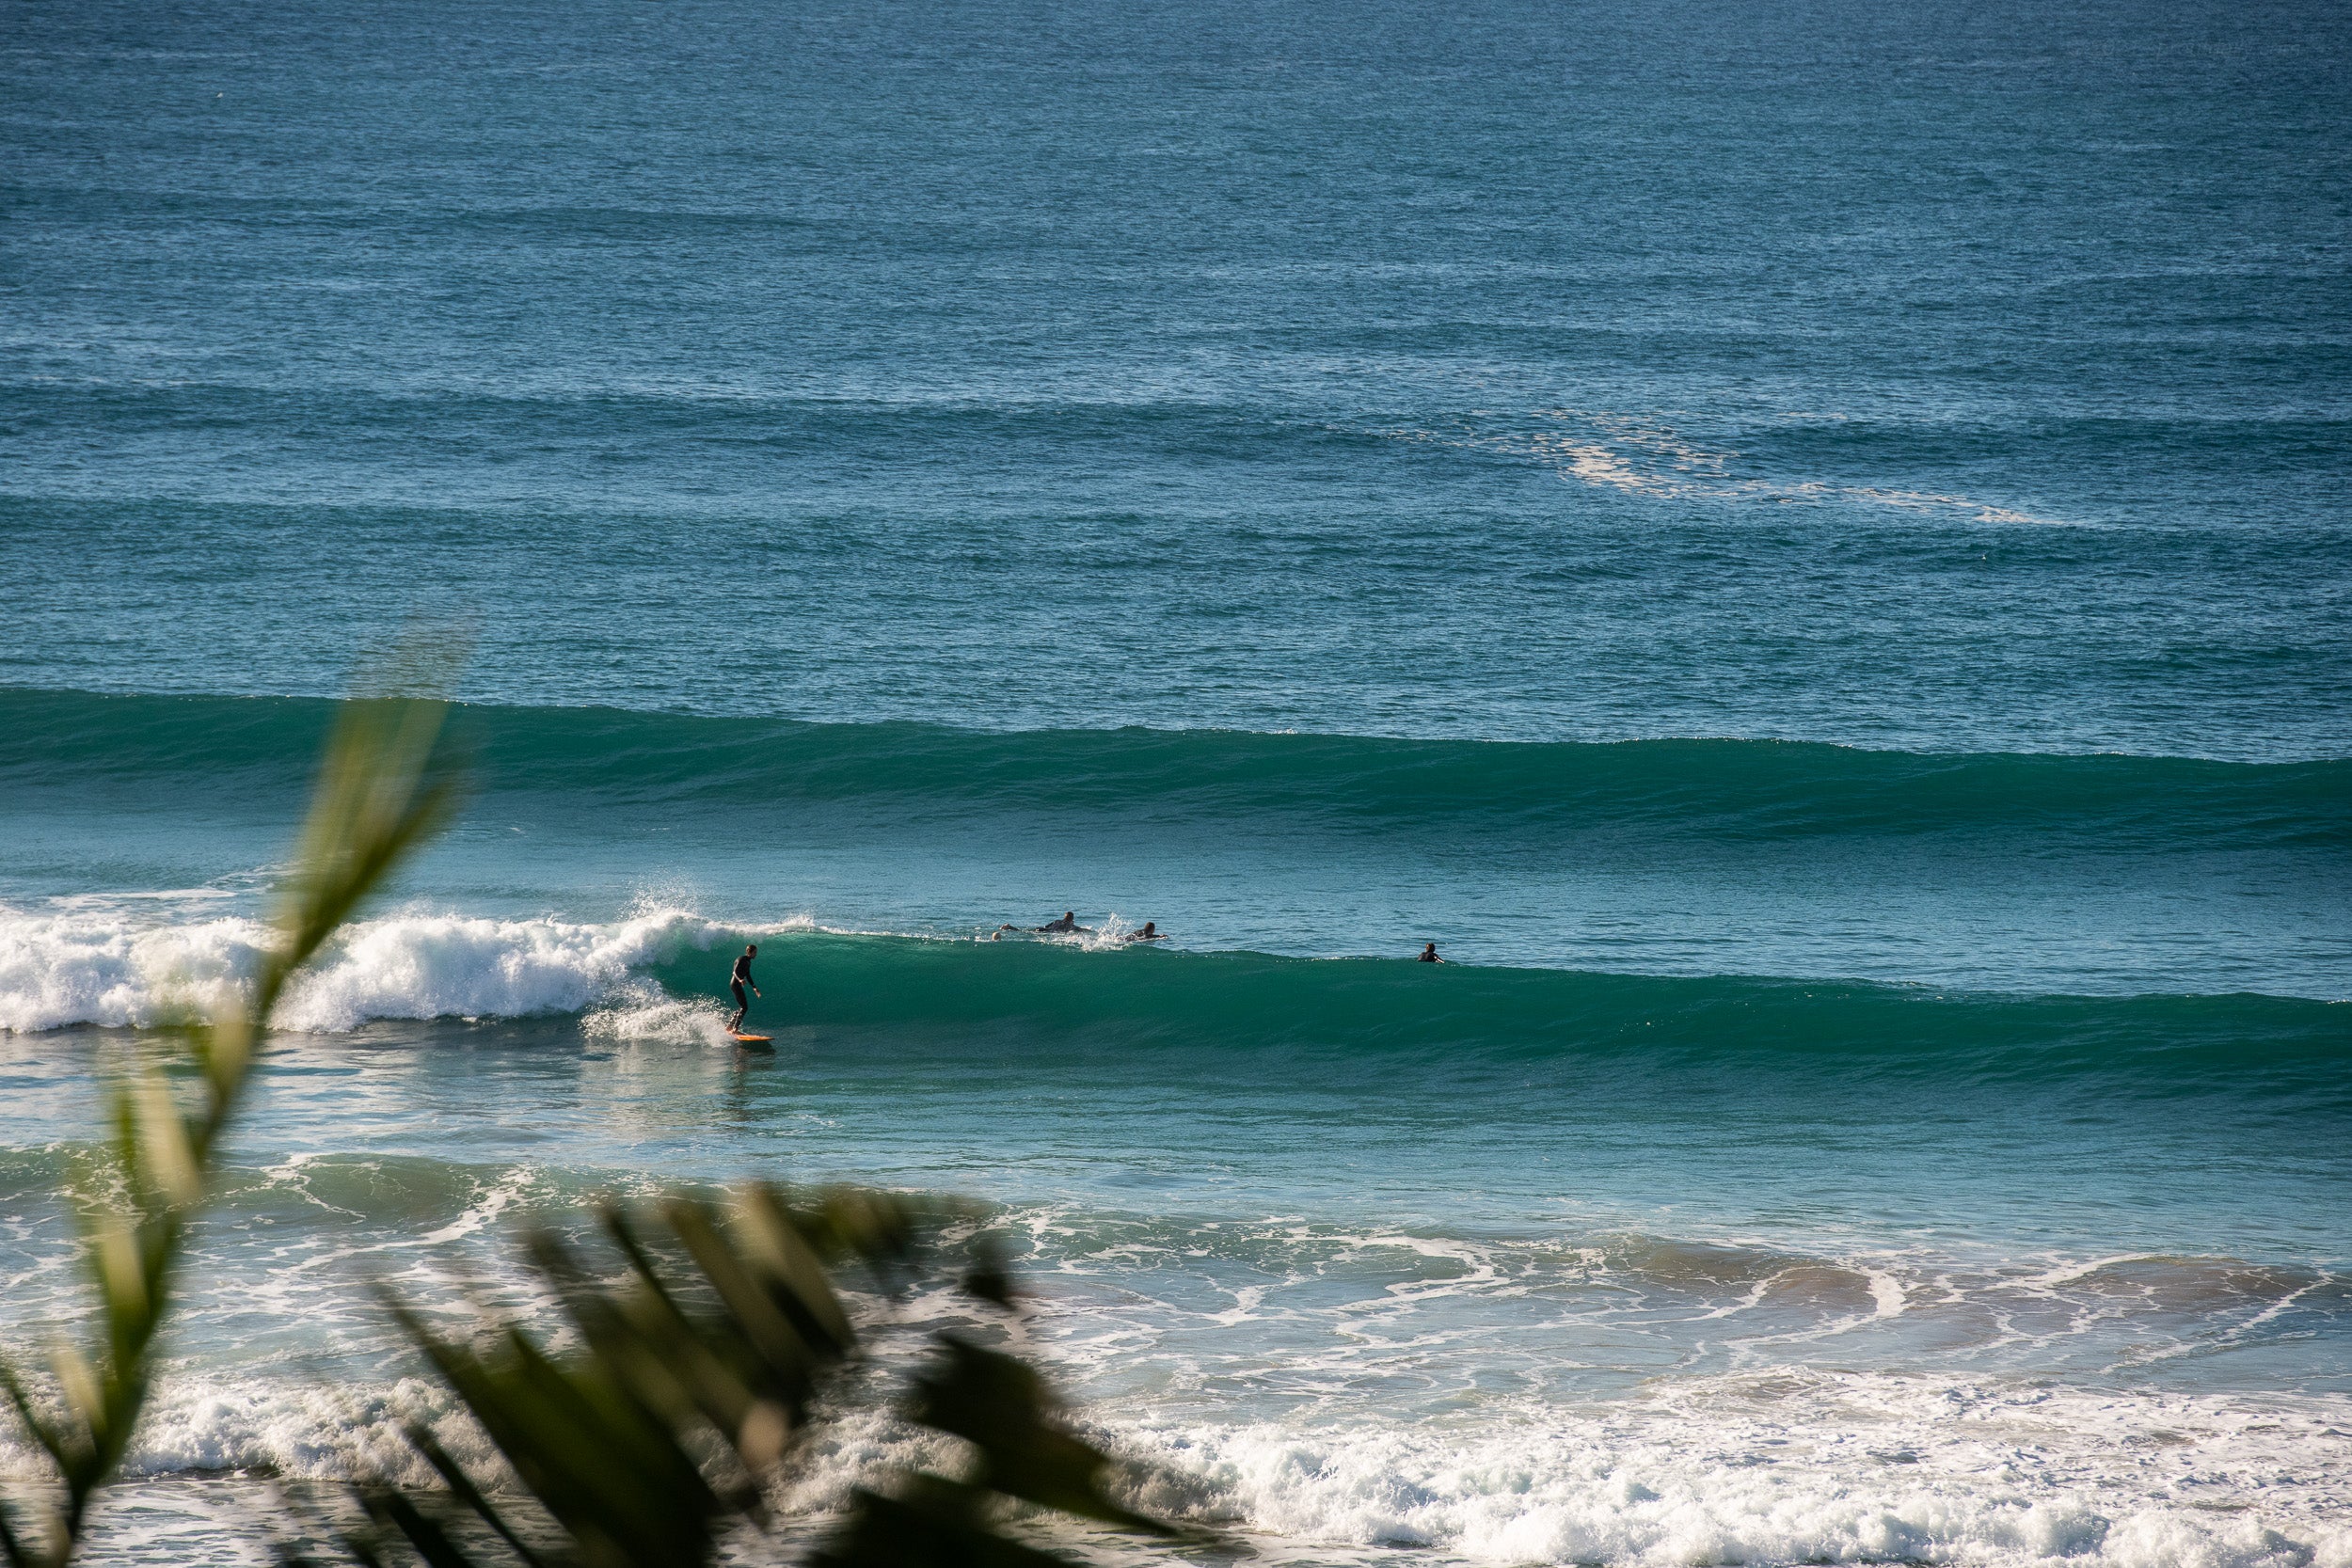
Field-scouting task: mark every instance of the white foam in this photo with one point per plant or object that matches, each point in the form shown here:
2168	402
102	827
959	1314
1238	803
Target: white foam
1825	1468
1647	456
76	968
71	967
648	1013
1109	936
340	1434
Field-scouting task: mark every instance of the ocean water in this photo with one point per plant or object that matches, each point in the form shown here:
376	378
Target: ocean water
1805	546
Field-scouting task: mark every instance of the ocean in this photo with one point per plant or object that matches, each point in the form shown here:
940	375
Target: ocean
1805	546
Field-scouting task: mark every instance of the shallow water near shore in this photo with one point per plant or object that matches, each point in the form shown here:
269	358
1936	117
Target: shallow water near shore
1498	1302
1806	548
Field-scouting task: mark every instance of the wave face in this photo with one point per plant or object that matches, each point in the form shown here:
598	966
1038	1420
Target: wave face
1733	790
2007	871
1242	1004
653	975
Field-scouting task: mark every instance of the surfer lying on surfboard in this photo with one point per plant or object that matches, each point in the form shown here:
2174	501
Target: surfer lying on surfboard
1066	924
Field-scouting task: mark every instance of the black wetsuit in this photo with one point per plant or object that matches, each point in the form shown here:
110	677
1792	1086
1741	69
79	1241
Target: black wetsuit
741	977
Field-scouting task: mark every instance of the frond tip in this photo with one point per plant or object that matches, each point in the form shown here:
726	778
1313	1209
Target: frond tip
380	794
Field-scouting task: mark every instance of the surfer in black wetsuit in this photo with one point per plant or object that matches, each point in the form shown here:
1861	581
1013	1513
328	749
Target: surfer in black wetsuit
1064	927
1429	954
1151	932
741	977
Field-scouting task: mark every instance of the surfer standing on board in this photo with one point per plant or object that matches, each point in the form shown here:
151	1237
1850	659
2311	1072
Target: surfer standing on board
742	978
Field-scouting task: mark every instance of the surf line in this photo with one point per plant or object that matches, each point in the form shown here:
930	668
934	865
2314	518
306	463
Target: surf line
740	977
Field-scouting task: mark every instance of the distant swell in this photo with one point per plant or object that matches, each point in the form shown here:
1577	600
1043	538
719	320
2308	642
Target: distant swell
1736	790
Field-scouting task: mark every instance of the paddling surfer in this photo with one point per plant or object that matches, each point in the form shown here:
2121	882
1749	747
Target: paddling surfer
1066	924
741	977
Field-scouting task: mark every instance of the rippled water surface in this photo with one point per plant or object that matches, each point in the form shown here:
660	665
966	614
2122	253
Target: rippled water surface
1806	548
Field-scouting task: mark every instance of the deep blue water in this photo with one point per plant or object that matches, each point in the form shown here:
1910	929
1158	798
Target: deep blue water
1807	545
1917	376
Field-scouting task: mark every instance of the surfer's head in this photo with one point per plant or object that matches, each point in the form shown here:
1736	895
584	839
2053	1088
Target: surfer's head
751	950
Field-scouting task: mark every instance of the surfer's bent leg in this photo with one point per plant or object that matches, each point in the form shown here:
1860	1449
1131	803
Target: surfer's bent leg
742	1005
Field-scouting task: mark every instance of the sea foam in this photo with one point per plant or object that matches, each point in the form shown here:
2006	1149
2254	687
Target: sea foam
1863	1469
58	969
1866	1468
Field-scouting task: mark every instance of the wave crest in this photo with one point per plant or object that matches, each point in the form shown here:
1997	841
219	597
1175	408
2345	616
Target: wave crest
59	970
655	976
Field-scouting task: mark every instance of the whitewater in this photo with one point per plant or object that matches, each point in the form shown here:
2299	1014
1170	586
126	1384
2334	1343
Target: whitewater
1805	547
1670	1224
87	968
1789	1306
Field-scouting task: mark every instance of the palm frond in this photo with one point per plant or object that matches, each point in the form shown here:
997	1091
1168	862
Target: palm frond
694	1378
705	1351
378	799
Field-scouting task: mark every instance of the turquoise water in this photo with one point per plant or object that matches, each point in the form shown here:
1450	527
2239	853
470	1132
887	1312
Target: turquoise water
1806	548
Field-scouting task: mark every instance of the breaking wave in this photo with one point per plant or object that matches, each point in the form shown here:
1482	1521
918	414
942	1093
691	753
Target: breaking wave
657	975
78	968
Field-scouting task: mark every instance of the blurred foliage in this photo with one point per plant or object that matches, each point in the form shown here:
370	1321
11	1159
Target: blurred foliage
705	1341
378	796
